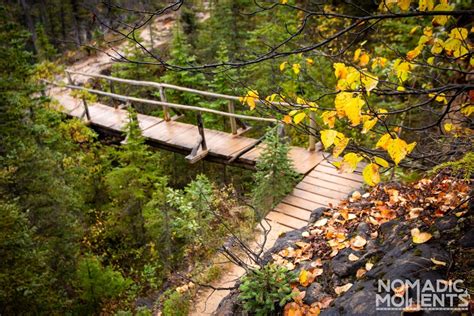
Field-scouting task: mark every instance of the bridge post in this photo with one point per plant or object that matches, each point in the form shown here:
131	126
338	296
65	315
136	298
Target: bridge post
86	109
233	123
166	114
69	78
112	90
312	131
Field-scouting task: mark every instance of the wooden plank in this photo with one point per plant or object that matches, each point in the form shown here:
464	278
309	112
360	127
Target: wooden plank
304	160
329	185
175	133
314	197
335	178
321	190
302	203
293	211
332	170
286	220
327	165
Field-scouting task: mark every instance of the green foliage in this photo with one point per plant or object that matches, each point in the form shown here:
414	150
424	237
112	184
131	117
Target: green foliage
265	288
176	303
46	51
275	176
463	167
96	283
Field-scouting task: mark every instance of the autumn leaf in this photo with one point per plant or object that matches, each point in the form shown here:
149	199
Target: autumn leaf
381	162
283	65
327	137
384	141
250	99
296	68
287	119
441	19
420	237
292	309
357	54
329	118
353	257
438	263
371	174
309	61
340	144
321	222
368	125
299	117
358	242
350	161
343	288
426	5
398	149
340	70
364	59
404	4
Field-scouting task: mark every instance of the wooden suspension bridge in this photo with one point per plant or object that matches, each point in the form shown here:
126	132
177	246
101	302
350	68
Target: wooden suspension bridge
322	183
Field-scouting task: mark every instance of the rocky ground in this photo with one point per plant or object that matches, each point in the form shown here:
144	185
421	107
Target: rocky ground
423	231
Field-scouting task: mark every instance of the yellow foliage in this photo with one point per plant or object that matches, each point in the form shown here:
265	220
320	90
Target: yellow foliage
329	118
368	125
327	137
299	117
371	174
404	4
426	5
296	68
340	143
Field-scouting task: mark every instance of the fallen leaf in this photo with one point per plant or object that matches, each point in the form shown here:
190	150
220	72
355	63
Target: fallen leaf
343	288
358	242
438	263
419	237
292	309
305	234
353	257
360	273
369	266
321	222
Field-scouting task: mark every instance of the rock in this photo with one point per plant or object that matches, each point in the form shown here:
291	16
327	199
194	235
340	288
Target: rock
287	240
314	293
317	213
363	229
446	222
467	241
342	266
229	305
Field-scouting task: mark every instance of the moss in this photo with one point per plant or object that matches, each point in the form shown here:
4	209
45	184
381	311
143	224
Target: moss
463	167
417	252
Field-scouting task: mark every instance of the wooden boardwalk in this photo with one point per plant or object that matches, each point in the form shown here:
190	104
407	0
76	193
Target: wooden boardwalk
322	185
181	137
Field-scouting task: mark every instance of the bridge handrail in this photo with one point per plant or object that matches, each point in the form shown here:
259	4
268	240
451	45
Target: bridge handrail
161	103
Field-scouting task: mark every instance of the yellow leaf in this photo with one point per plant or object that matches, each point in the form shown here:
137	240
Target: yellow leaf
413	30
381	162
369	81
441	19
283	1
414	53
353	257
271	97
402	69
357	54
287	119
343	288
321	222
327	137
353	108
340	70
299	117
410	147
368	125
296	68
364	59
309	61
419	237
250	99
438	263
459	33
329	118
283	65
349	164
467	110
448	127
340	144
384	141
404	4
438	46
430	60
397	149
369	266
371	174
426	5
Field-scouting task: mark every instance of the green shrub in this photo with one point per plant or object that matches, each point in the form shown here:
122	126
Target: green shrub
176	303
275	175
262	289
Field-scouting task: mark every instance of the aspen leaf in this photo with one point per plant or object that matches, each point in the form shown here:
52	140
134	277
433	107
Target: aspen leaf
371	174
369	266
287	119
467	110
360	273
459	33
398	149
340	144
357	54
430	60
369	81
343	288
292	309
358	242
381	162
329	118
250	98
340	70
353	110
404	4
413	30
384	141
321	222
368	125
364	59
353	257
296	68
448	127
309	61
299	117
438	263
402	69
426	5
283	65
349	164
414	52
438	46
327	137
419	237
441	19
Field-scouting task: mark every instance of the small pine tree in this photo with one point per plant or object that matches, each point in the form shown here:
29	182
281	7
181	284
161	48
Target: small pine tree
275	175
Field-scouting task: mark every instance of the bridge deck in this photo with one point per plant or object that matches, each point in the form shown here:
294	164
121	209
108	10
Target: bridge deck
181	137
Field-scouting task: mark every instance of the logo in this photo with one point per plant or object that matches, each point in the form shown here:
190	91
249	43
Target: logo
407	295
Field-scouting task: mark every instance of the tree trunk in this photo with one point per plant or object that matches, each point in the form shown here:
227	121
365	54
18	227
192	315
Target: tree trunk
30	23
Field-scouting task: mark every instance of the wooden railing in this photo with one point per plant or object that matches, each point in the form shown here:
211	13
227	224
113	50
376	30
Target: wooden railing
235	119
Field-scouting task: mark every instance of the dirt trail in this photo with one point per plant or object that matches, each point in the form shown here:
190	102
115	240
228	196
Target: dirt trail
207	300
